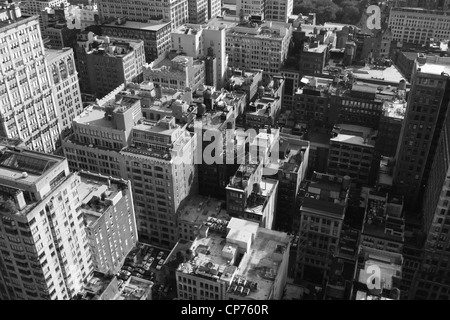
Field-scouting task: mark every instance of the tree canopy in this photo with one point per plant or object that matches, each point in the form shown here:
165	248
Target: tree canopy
340	11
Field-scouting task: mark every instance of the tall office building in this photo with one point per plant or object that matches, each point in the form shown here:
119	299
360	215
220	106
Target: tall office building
279	10
108	215
27	106
44	249
160	165
427	104
433	278
214	8
65	85
173	11
323	204
198	11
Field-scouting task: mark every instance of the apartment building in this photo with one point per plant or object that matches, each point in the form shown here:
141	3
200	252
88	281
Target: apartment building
174	11
251	8
418	25
198	11
247	81
154	33
384	226
266	109
159	162
200	41
65	84
176	71
214	8
323	204
108	215
352	151
27	105
258	45
278	10
44	249
250	264
104	63
252	197
292	167
100	132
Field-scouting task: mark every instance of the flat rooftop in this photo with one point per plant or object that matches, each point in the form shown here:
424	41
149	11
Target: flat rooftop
53	54
135	289
435	65
355	135
324	193
208	261
199	208
256	202
319	49
388	271
395	109
143	26
223	22
14	162
387	74
261	264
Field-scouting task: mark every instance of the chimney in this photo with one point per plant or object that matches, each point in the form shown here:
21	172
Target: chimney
20	200
421	58
158	91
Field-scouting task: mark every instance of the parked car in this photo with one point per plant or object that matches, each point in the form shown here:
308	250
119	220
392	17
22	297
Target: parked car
161	261
127	268
160	254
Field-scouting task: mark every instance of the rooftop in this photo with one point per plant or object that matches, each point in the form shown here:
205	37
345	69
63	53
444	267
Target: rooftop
355	135
378	223
207	259
97	196
259	267
394	109
325	193
53	54
7	23
223	22
256	202
291	153
242	175
388	271
95	287
315	49
387	74
135	289
25	166
435	65
145	26
265	30
199	208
